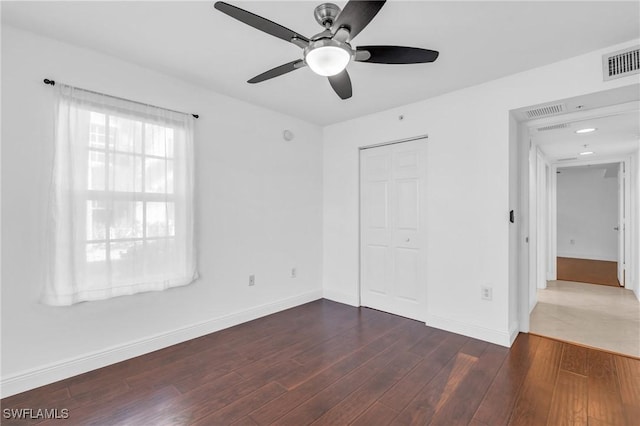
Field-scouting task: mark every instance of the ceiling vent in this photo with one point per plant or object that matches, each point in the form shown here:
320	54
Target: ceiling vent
621	63
545	111
568	159
554	127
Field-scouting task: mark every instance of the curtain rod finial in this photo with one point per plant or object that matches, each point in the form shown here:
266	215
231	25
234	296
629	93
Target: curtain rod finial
51	82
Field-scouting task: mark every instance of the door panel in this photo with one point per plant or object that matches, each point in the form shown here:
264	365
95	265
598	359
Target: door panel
407	273
407	193
377	268
406	161
392	253
378	197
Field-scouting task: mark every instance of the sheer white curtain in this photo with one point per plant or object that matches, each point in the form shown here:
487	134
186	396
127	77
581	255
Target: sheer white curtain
121	211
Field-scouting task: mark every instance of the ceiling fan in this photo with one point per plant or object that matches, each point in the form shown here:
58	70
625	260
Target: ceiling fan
329	52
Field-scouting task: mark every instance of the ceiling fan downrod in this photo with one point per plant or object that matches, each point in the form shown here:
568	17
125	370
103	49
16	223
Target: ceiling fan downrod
326	14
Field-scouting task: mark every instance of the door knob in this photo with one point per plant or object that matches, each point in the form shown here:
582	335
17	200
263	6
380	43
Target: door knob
616	228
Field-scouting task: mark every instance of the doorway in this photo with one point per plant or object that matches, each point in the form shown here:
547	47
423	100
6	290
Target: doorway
576	311
392	228
583	301
589	216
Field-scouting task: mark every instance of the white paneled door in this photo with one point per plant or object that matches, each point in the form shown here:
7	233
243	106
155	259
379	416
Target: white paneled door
392	240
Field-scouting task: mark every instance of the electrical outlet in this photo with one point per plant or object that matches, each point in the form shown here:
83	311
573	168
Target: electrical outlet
486	293
252	280
294	273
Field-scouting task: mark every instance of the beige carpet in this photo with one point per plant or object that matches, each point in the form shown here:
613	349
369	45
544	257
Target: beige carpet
593	315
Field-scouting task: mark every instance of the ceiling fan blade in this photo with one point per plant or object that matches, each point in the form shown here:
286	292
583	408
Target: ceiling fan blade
275	72
356	15
259	22
341	83
395	55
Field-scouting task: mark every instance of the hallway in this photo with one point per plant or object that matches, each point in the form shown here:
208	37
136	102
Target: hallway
593	315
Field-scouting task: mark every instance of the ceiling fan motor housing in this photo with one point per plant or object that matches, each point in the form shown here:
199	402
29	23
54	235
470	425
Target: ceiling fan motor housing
326	13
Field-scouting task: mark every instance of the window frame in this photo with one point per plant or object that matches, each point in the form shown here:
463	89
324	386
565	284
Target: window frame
143	196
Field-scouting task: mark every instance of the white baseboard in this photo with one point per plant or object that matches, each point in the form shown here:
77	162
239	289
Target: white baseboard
589	256
54	372
502	338
340	297
514	330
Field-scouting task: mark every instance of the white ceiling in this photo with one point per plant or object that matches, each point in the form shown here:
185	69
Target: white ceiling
478	41
615	135
615	113
607	170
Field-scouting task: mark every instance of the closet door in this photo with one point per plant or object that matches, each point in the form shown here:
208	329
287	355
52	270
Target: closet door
392	245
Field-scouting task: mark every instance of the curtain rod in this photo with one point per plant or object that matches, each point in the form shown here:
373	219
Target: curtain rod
53	83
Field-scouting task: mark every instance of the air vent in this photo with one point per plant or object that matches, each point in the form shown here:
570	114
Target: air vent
545	111
568	159
554	127
621	63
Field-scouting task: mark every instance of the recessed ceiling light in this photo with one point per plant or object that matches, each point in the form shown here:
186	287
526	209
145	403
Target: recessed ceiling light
587	130
587	153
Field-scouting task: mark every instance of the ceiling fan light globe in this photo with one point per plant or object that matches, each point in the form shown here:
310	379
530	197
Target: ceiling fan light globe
327	60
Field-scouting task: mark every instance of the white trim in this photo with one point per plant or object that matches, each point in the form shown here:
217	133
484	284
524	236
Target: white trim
590	256
502	338
340	297
411	139
526	301
70	367
553	224
543	170
514	330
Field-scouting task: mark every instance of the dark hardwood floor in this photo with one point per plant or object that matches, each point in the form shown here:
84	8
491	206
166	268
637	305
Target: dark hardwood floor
587	271
331	364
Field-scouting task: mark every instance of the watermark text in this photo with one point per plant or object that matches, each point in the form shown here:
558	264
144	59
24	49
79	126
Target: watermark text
35	413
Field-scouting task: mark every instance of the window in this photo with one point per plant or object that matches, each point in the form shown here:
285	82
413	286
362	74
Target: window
122	196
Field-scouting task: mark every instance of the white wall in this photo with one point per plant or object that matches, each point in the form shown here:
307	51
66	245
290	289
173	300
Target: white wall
542	216
467	185
587	205
259	211
514	204
635	222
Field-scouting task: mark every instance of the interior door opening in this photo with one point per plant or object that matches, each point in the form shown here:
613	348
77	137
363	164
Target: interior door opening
575	311
588	214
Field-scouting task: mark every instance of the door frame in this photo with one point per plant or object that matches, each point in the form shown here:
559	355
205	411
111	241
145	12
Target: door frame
424	137
624	210
624	161
527	225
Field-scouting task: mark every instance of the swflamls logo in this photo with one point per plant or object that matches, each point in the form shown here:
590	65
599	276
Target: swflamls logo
35	414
